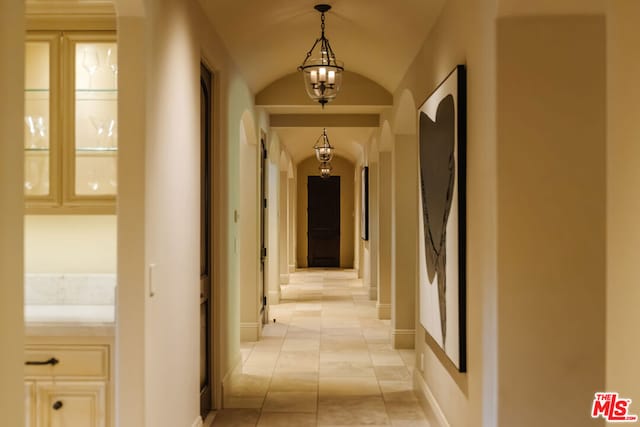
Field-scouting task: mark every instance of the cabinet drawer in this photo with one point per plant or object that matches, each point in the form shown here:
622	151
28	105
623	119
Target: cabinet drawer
74	361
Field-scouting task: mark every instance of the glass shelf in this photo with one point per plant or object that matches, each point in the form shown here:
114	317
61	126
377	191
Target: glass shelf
96	149
114	91
37	149
36	90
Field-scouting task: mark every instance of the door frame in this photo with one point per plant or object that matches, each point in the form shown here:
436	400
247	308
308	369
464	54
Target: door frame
218	227
263	151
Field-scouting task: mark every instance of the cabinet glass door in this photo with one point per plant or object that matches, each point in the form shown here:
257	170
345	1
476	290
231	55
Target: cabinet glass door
39	125
96	120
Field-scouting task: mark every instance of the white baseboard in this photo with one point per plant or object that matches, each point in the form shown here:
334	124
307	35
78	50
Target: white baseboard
250	331
403	338
292	268
284	279
428	400
384	311
198	422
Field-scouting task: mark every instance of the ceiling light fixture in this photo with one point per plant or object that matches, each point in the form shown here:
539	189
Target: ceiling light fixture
325	169
323	72
324	150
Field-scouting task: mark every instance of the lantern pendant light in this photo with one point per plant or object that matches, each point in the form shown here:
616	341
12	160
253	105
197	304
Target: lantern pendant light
324	150
322	72
325	169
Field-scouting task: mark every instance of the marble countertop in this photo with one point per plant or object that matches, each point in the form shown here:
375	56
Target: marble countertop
86	320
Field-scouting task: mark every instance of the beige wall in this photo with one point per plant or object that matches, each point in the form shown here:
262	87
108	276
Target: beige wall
623	205
345	170
70	243
551	218
158	219
569	271
248	245
464	34
11	214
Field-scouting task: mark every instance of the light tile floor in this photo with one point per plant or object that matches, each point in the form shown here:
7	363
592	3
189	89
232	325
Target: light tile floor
326	361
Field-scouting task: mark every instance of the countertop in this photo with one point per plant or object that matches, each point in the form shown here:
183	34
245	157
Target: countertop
69	320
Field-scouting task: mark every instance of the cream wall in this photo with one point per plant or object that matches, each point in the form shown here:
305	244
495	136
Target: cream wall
248	244
551	217
345	170
172	218
272	220
623	207
561	275
158	221
463	34
70	244
11	214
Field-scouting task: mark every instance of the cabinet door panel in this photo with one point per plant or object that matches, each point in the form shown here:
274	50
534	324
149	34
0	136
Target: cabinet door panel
71	404
40	125
96	118
29	404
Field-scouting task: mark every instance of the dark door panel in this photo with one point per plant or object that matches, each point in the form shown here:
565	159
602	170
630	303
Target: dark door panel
205	240
323	221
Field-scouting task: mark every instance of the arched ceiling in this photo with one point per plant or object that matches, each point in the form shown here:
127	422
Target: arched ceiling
375	38
348	141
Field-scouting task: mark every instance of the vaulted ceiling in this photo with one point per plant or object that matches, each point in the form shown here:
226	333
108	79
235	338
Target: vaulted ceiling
377	39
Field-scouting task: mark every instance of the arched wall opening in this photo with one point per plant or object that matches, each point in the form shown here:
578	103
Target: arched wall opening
383	264
345	170
284	219
404	222
249	229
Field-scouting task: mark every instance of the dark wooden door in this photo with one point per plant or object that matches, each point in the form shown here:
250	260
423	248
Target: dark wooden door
324	221
205	241
263	228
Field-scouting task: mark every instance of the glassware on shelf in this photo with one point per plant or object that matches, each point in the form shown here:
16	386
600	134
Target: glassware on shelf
112	63
105	131
37	130
99	124
112	135
90	63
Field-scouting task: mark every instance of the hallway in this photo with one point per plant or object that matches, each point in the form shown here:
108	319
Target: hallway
326	361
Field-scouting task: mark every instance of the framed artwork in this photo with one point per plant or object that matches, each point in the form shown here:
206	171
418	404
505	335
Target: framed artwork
442	210
364	212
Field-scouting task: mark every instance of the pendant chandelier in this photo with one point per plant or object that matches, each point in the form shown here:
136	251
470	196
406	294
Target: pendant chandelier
324	150
325	169
322	72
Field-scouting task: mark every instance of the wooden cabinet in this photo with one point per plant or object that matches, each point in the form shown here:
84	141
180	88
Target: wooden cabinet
73	389
71	404
71	125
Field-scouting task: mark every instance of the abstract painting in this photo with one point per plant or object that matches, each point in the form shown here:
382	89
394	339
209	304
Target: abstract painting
442	206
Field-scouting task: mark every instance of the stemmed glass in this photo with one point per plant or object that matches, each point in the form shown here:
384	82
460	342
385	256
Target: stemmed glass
112	63
37	130
90	63
112	136
31	125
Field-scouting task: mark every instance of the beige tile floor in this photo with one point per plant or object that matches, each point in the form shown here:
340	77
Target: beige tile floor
326	361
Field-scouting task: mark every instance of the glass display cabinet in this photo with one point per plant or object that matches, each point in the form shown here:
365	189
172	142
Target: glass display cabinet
71	123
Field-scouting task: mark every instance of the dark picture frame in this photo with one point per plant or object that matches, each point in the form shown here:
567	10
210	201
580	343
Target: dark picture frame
442	223
364	211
